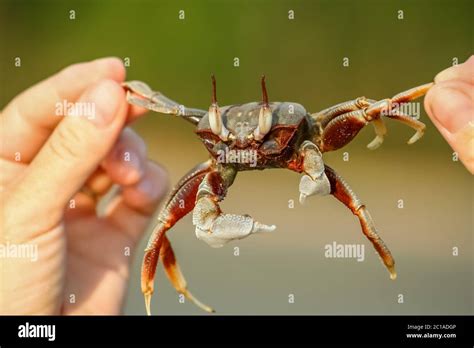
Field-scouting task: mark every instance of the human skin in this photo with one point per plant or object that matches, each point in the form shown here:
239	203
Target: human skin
82	256
450	105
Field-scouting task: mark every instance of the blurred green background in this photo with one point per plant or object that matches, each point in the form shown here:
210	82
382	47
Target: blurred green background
302	59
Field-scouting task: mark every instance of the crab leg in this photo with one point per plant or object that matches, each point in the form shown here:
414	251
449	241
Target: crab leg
397	115
339	124
380	131
410	122
314	181
341	190
140	94
323	117
180	202
173	272
214	227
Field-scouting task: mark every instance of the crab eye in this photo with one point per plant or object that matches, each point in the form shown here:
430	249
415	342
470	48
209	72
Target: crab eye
264	117
215	117
216	124
264	123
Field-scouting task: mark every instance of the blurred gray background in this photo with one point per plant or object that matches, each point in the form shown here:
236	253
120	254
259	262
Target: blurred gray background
302	59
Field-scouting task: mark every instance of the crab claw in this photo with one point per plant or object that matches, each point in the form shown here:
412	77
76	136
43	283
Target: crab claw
228	227
319	186
138	87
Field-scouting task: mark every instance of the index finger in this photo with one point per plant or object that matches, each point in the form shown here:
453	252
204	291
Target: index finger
29	118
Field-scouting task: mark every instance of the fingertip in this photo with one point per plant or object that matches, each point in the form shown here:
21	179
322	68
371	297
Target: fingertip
449	105
154	184
127	162
113	66
85	73
105	88
463	72
151	189
447	74
105	98
134	112
469	63
428	101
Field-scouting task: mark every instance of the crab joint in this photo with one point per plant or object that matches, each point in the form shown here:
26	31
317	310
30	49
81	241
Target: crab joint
215	117
265	116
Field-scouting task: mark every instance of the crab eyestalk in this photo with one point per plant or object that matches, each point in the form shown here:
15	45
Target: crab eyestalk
265	115
215	117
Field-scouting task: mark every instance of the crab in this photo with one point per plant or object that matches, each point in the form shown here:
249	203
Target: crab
257	136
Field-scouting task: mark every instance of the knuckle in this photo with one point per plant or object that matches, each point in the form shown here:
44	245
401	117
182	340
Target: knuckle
66	143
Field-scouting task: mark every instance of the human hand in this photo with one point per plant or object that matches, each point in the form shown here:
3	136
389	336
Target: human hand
450	105
46	160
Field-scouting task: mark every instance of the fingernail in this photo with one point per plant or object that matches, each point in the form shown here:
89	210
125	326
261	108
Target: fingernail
453	109
101	103
130	164
114	66
148	187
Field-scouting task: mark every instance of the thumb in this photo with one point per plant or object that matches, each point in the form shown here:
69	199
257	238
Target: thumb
450	105
75	148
